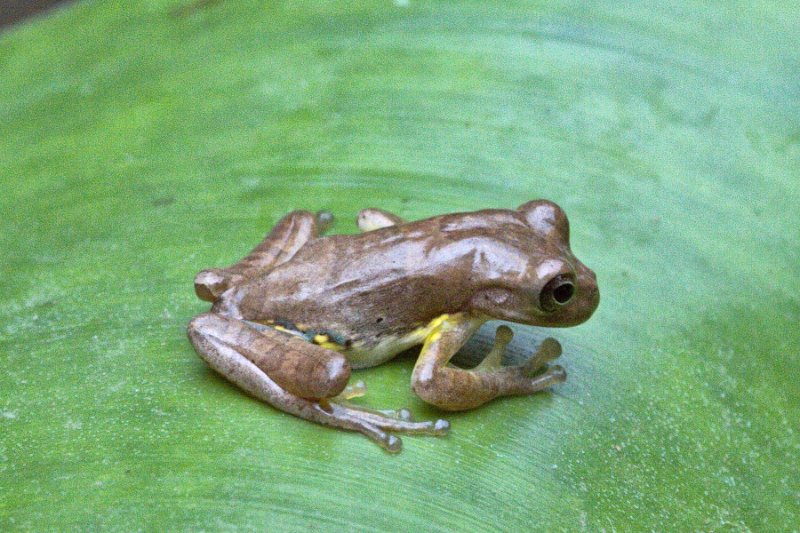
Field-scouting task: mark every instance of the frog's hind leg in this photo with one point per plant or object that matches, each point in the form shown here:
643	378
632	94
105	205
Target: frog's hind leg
371	219
280	245
294	376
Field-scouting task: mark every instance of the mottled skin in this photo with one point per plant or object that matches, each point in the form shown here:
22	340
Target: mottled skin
292	318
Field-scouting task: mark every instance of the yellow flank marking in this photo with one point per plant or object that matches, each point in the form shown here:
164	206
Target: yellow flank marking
420	331
320	339
430	339
438	321
433	332
361	355
280	328
330	346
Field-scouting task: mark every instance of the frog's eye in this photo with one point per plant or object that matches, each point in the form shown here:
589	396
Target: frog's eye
558	291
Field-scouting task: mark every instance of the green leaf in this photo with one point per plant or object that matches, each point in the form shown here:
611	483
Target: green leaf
140	144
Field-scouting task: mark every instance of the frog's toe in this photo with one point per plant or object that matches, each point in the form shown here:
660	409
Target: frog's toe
387	441
558	373
437	427
399	414
325	221
441	426
379	427
549	350
393	444
551	376
371	219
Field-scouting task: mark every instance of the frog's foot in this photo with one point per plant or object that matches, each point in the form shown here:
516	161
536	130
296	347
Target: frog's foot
529	377
457	389
380	426
371	219
548	351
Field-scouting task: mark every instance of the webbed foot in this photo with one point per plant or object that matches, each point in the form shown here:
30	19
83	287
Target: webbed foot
380	426
456	389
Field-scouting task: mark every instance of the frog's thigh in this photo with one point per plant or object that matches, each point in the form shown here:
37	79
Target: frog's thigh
371	219
457	389
296	366
280	245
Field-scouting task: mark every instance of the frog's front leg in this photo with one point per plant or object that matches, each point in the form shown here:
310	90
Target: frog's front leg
457	389
294	376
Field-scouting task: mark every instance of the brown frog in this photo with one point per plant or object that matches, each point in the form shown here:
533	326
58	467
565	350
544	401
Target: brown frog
290	320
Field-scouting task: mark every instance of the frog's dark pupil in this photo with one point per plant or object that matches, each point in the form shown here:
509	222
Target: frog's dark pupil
563	293
379	320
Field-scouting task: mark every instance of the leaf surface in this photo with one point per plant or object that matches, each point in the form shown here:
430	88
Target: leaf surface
140	144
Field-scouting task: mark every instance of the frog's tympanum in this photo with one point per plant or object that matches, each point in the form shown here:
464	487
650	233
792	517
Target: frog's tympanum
290	320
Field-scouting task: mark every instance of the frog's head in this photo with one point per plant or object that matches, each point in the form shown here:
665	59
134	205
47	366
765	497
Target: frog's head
551	287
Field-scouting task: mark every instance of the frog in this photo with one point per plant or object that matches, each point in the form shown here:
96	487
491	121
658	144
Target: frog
291	320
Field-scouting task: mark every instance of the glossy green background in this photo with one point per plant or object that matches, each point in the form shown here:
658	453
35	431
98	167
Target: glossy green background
141	144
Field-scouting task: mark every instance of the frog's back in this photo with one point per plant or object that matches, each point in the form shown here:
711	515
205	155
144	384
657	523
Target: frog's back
383	282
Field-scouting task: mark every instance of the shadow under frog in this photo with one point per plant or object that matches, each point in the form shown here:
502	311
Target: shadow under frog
290	320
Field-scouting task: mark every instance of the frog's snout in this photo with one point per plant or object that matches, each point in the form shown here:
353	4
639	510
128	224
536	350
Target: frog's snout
587	281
